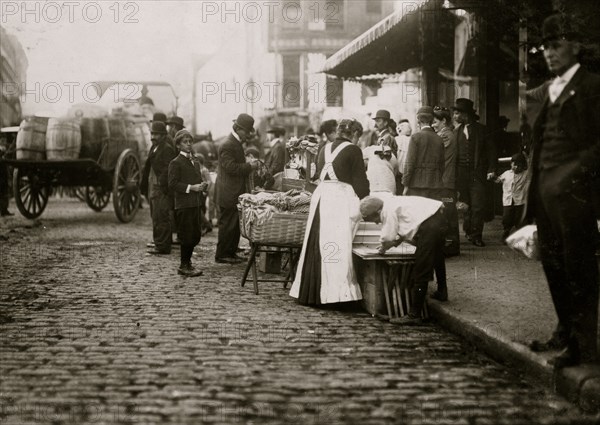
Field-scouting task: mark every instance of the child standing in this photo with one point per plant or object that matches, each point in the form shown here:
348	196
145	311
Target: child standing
513	193
185	181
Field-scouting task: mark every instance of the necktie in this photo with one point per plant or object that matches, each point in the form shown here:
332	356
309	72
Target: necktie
555	89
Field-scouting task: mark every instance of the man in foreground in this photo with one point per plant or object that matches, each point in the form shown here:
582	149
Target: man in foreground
565	168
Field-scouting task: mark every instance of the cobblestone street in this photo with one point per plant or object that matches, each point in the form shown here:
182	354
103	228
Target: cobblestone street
93	330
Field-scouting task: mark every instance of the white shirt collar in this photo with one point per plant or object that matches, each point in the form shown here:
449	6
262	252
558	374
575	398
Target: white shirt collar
274	141
186	155
568	74
237	137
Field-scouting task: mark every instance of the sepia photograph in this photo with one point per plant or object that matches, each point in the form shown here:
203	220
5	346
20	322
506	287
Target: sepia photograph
300	212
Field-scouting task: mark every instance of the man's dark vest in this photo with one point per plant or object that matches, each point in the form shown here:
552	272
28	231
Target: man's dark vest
556	148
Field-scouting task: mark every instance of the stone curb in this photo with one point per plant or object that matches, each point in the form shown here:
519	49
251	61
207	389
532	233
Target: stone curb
579	385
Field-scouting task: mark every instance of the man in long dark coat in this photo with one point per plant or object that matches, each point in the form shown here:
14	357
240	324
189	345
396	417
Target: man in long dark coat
232	172
275	159
155	186
476	164
565	170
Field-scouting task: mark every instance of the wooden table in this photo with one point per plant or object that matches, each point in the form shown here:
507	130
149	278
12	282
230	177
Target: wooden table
384	279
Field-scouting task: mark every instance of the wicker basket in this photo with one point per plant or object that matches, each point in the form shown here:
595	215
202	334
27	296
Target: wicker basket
281	228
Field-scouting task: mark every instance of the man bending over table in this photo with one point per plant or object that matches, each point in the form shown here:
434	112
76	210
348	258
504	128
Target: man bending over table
418	221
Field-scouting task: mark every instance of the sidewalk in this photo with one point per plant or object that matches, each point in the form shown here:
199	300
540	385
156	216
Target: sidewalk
499	301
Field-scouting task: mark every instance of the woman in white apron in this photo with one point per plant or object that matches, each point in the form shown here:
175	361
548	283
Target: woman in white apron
325	273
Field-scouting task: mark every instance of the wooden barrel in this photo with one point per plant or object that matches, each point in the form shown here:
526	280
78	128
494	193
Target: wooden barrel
139	133
31	138
117	143
95	133
63	139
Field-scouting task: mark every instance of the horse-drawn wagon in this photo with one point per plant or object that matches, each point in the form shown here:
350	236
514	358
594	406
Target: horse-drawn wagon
104	153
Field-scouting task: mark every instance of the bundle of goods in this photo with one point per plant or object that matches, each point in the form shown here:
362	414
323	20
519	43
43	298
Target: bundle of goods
276	218
301	151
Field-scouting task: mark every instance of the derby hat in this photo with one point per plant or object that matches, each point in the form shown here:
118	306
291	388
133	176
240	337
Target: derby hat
160	117
158	127
382	113
559	26
175	120
463	104
245	121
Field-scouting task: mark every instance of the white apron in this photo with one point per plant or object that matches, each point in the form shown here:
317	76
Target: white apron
339	217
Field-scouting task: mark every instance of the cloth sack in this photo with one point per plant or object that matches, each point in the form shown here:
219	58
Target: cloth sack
525	241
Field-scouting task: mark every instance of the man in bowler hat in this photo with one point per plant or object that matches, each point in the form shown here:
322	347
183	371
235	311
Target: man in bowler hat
232	173
565	170
476	155
384	136
154	186
174	124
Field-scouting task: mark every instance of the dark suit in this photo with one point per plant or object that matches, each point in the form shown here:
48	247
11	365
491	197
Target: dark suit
275	159
182	172
158	194
424	164
564	170
232	173
476	156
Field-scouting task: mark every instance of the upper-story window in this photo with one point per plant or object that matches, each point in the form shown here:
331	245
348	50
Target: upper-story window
373	6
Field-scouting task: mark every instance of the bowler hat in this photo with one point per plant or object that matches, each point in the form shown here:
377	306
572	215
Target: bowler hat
382	113
559	25
160	117
175	120
425	110
158	127
245	121
464	105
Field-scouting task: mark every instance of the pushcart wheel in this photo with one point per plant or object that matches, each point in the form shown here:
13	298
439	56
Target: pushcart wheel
31	194
97	197
126	186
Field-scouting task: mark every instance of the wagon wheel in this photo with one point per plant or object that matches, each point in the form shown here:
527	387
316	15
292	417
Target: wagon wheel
97	197
31	194
126	187
80	192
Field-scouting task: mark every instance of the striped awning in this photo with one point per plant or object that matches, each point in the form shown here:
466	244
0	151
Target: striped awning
391	46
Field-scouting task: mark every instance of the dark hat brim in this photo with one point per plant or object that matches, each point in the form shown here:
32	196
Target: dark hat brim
250	130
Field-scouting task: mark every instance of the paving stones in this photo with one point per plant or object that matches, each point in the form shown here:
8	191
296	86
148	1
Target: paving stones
100	333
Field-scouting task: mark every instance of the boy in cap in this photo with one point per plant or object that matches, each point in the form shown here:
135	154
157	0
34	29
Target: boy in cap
185	181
